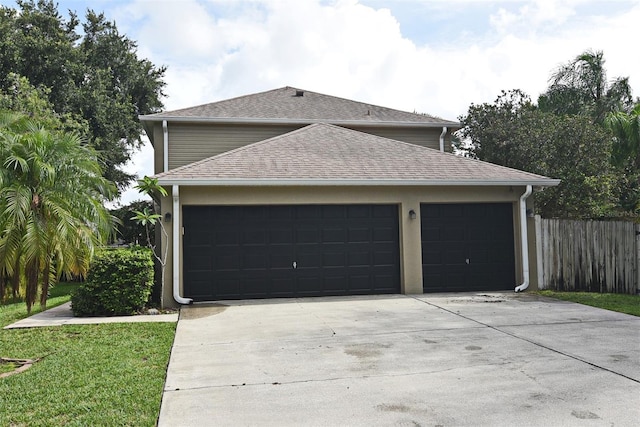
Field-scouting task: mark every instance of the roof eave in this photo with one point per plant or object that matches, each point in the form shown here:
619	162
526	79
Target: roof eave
265	182
271	121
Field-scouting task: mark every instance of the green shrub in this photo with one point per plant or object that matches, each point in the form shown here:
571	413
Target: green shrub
119	283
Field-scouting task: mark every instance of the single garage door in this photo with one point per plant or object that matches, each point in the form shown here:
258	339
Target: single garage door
467	247
239	252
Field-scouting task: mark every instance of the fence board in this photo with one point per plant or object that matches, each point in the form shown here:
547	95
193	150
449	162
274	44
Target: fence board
596	256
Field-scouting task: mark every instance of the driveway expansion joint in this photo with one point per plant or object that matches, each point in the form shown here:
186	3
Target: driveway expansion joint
538	344
322	380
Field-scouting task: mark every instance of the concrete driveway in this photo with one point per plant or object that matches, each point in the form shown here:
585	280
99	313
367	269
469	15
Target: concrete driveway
497	359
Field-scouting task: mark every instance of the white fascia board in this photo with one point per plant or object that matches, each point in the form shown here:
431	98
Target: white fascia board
195	182
267	121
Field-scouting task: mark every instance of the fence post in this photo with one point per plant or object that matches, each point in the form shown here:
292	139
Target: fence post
637	230
542	284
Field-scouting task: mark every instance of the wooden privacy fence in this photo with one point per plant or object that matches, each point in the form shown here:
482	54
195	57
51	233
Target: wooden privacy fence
594	256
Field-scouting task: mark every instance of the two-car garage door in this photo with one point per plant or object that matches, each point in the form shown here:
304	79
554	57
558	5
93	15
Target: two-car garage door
238	252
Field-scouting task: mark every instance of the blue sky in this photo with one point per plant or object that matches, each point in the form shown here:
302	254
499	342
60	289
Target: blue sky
435	56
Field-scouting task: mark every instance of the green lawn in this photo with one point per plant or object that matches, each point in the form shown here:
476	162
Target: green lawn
97	375
58	294
629	304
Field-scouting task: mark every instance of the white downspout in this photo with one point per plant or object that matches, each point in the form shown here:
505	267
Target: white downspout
524	242
176	247
442	135
165	147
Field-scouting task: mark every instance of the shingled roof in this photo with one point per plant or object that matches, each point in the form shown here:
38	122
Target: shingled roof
324	154
292	105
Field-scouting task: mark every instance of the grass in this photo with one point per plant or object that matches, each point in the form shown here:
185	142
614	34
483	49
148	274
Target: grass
628	304
58	294
98	375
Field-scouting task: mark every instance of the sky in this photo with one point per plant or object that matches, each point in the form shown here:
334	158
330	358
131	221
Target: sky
428	56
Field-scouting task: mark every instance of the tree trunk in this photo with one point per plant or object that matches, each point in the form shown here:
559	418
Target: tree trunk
31	273
15	280
44	285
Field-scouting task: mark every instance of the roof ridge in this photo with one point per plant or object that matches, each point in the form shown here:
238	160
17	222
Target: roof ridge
236	108
366	103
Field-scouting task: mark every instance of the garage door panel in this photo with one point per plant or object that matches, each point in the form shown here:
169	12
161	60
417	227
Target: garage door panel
385	234
222	238
334	235
307	235
254	237
479	255
335	283
329	212
357	259
310	260
280	213
226	287
253	250
381	258
359	235
452	235
202	239
277	287
381	283
431	234
335	259
228	258
384	211
309	212
467	247
359	281
202	263
280	261
280	235
358	211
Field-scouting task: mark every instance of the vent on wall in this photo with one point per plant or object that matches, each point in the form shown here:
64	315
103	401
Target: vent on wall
299	93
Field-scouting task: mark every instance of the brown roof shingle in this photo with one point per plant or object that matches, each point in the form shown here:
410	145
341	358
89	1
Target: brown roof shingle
328	154
311	107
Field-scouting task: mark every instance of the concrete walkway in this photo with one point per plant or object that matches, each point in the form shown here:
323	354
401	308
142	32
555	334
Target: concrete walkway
62	315
449	360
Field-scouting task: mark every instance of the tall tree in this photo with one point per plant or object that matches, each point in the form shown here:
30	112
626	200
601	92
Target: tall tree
513	132
580	87
625	155
52	213
95	75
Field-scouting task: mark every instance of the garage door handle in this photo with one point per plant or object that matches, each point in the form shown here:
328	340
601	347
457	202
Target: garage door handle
295	264
467	260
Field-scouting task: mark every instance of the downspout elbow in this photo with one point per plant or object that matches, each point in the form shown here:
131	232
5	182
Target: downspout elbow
524	242
176	248
442	135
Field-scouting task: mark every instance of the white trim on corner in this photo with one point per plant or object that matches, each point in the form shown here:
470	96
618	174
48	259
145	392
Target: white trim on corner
165	146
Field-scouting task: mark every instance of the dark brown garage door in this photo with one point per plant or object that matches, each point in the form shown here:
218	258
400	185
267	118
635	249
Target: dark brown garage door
467	247
239	252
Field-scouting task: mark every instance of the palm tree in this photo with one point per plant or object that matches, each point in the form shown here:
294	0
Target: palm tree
581	87
51	205
625	154
626	128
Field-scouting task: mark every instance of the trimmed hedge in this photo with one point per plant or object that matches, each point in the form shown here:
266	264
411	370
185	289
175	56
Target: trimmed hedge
119	283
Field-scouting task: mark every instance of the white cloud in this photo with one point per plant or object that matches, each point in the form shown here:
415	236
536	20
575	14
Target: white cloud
218	49
532	15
